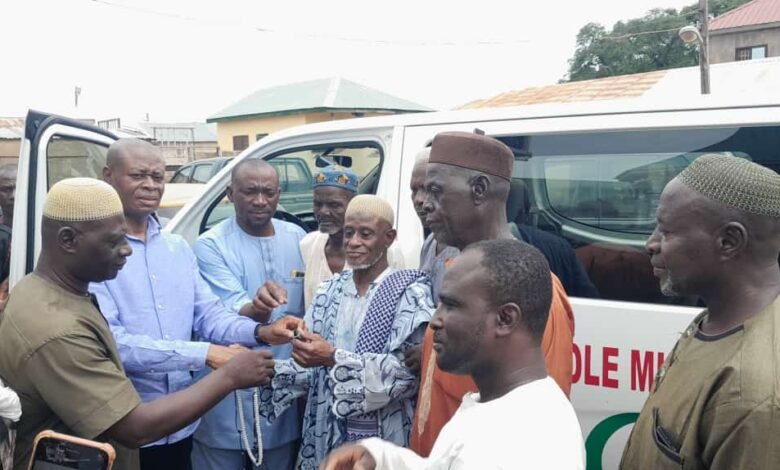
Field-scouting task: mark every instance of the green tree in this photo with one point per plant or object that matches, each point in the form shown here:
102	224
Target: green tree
640	44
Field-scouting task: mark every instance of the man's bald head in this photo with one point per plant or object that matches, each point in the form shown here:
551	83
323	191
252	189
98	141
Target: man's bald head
252	165
123	148
136	169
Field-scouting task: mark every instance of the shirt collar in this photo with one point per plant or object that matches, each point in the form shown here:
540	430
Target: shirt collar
153	228
351	289
243	233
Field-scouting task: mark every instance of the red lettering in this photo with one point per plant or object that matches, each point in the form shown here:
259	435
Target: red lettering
577	366
590	379
608	366
642	370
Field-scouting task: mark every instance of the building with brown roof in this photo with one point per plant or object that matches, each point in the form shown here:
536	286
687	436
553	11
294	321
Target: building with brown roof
760	78
748	32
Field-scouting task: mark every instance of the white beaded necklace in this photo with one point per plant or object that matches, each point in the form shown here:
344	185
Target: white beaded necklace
256	461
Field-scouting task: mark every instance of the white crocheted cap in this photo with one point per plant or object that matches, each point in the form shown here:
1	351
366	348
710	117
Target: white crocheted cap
371	205
81	200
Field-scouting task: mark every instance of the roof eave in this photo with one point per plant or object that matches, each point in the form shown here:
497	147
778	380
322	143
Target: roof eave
291	112
742	29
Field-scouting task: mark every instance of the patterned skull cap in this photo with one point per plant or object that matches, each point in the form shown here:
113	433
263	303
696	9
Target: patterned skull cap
371	205
81	200
338	176
735	182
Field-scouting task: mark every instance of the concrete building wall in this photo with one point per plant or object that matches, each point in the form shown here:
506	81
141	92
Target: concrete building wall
251	127
177	155
723	47
9	150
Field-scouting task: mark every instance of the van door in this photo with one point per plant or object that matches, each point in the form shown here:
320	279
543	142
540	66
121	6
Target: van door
54	148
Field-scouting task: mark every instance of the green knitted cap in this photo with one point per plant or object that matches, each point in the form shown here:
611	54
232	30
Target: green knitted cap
735	182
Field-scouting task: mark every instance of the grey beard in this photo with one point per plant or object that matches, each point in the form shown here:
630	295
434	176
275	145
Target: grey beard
667	287
363	267
332	231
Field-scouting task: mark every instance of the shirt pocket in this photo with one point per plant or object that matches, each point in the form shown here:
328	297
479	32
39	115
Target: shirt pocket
666	444
294	287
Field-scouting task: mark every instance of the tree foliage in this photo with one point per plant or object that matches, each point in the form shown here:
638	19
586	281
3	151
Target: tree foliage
640	44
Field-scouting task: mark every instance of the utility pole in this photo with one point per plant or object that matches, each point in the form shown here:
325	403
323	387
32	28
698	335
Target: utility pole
76	93
704	46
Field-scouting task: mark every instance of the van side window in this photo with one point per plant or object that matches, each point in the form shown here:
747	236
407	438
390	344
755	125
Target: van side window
296	167
69	157
600	191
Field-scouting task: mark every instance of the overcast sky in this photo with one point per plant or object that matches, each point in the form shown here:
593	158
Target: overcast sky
182	60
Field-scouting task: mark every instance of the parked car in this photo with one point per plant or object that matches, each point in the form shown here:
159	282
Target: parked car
200	171
592	174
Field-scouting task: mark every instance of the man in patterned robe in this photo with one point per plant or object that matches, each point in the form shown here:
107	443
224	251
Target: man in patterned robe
350	361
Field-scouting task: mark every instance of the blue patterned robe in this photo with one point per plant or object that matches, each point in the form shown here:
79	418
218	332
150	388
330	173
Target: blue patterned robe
372	382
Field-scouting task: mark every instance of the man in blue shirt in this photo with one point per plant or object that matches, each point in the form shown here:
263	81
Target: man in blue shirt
237	258
159	300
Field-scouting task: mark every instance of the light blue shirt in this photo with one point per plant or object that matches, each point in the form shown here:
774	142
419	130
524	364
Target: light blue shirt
236	265
153	307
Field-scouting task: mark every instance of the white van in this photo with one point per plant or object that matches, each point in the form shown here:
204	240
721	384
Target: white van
593	173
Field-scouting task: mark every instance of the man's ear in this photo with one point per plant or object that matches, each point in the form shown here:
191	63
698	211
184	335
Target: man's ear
479	189
390	236
732	239
229	193
107	174
508	319
67	239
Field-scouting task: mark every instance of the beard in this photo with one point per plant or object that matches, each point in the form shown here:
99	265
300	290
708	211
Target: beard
369	265
668	287
330	227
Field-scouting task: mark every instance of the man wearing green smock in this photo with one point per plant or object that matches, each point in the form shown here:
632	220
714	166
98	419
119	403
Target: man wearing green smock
716	400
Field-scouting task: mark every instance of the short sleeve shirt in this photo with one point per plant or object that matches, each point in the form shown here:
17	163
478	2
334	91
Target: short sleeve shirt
60	358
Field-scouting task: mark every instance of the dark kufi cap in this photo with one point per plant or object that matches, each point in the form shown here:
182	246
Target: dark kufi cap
474	152
735	182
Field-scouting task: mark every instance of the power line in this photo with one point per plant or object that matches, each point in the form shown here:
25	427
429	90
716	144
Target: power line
643	33
315	36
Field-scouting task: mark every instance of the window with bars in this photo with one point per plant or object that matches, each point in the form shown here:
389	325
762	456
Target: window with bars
751	52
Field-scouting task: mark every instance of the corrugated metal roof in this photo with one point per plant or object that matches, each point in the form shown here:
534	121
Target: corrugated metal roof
180	131
624	86
11	128
333	94
742	78
752	13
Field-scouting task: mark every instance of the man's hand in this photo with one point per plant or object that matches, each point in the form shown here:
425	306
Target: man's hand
250	368
349	457
311	350
412	358
218	356
267	298
280	331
